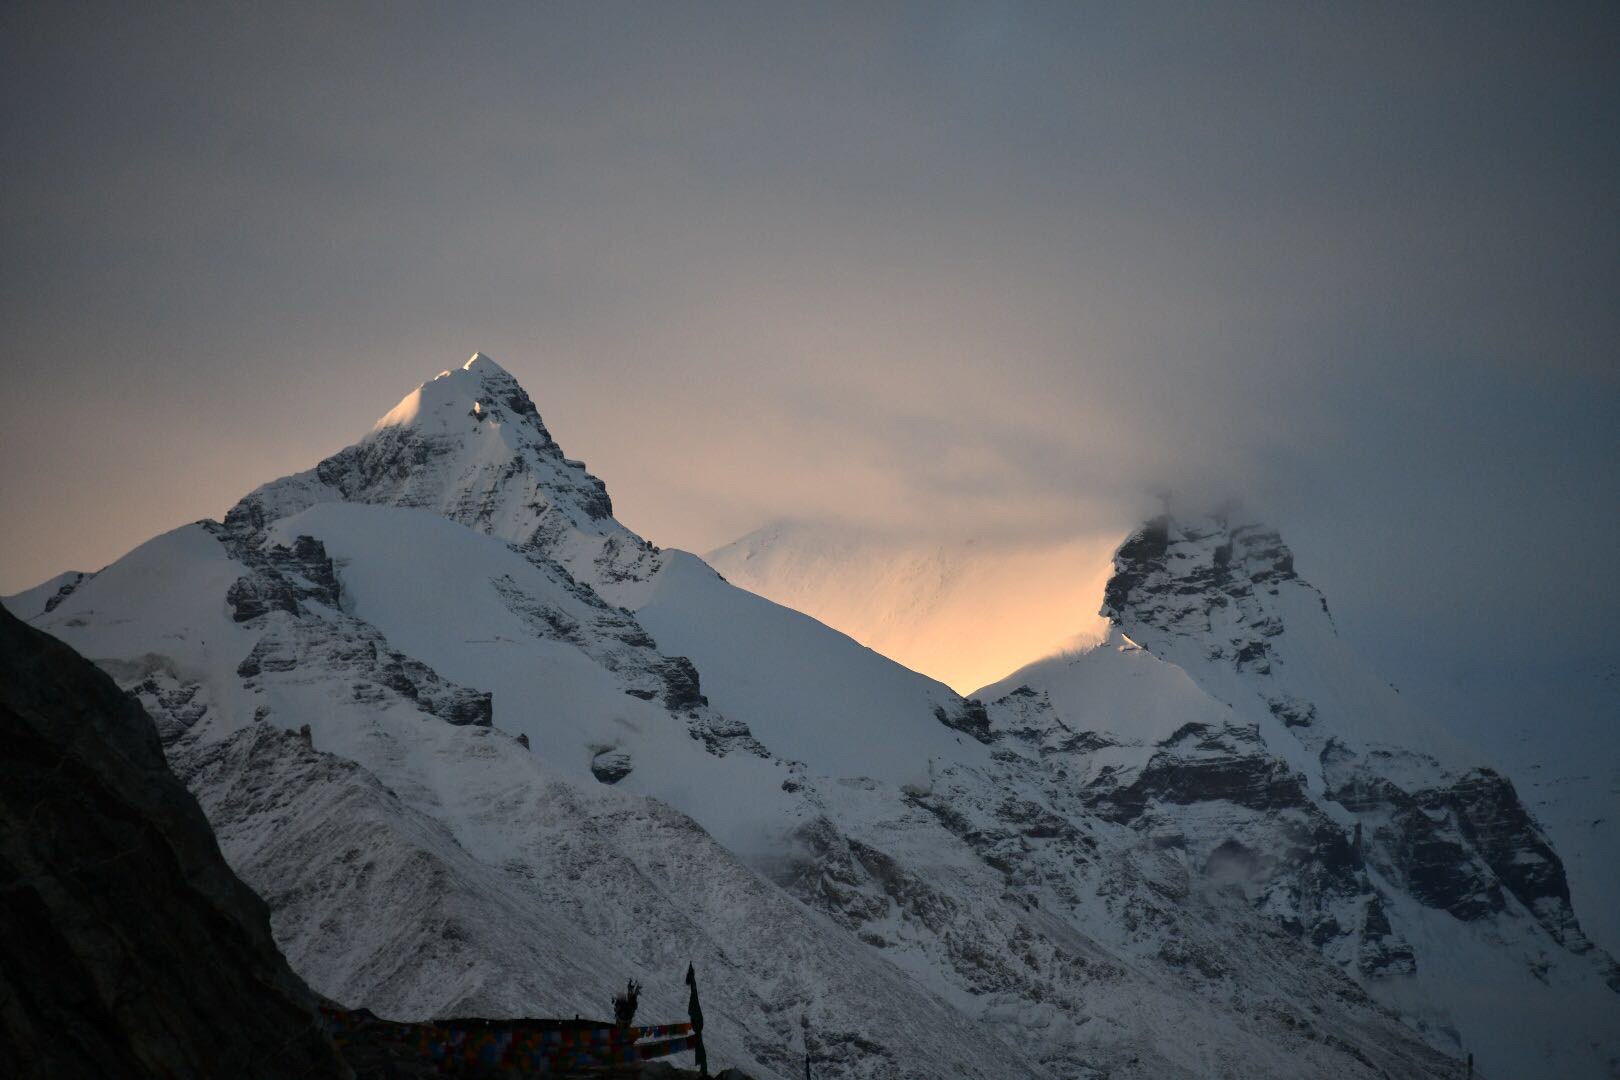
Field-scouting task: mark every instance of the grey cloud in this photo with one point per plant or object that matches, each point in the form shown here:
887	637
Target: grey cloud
978	267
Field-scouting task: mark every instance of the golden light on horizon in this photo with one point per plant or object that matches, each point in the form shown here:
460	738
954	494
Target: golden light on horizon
968	613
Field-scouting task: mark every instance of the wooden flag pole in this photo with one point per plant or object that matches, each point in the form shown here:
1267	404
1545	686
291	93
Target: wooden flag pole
694	1011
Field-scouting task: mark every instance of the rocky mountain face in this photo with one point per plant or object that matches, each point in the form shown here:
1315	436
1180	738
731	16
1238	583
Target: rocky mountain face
130	948
1454	833
1311	788
470	446
486	751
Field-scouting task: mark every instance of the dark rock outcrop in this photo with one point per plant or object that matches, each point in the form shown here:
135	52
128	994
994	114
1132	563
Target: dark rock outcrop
1490	814
129	948
1248	780
611	766
67	589
971	718
1161	582
1381	953
301	572
462	706
1438	868
681	688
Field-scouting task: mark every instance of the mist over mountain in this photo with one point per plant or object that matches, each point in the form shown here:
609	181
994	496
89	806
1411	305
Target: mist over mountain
964	611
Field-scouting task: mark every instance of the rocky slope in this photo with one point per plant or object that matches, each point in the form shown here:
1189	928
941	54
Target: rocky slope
129	946
544	756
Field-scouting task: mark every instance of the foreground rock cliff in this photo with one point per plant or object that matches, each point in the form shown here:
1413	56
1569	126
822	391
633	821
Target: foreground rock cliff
129	946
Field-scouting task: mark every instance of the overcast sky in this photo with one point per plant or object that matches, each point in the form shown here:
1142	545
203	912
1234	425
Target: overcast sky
989	269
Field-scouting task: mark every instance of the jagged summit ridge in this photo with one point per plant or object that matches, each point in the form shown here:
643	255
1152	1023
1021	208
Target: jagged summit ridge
1220	596
469	445
1176	574
480	389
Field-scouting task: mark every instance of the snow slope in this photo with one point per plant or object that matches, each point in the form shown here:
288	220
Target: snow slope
811	694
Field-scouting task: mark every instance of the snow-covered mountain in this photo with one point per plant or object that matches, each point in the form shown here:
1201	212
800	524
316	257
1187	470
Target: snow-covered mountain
918	601
1310	785
543	755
